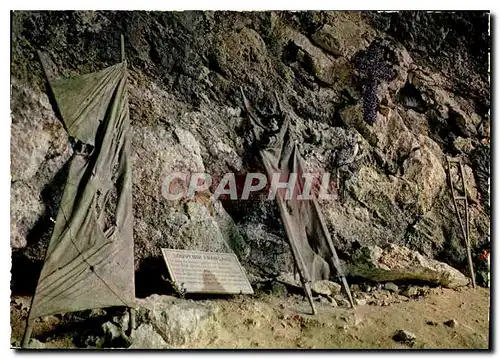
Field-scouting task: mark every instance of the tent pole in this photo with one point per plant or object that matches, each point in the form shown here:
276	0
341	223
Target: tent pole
348	291
132	316
27	333
122	47
29	325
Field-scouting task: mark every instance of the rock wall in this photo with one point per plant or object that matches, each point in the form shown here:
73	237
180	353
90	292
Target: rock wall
186	69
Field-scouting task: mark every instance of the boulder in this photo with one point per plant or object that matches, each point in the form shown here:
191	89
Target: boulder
145	337
325	287
359	301
400	263
177	321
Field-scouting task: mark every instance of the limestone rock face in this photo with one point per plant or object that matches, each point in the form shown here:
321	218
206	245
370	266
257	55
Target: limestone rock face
26	209
323	66
39	149
343	37
37	134
394	263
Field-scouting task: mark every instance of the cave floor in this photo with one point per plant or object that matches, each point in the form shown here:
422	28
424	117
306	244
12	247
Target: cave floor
265	321
284	323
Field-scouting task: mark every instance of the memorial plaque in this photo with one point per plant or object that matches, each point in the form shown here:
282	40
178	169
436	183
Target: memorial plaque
206	272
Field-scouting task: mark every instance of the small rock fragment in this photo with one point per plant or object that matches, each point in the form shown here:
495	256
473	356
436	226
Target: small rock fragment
360	301
452	323
423	291
365	287
410	291
430	322
404	336
391	287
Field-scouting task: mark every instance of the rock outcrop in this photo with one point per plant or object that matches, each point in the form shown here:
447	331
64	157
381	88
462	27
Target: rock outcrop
177	321
395	263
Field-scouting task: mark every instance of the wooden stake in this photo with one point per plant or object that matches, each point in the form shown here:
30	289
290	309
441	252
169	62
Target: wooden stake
464	227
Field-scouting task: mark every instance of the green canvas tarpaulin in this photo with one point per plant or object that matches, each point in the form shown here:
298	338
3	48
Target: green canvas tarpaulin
90	258
303	221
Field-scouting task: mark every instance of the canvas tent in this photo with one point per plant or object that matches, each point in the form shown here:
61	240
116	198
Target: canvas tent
311	245
90	258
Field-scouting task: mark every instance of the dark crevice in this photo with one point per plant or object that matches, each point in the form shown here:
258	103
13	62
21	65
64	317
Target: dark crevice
410	97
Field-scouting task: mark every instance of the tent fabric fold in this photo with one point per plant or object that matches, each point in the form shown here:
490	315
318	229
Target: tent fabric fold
303	221
90	258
